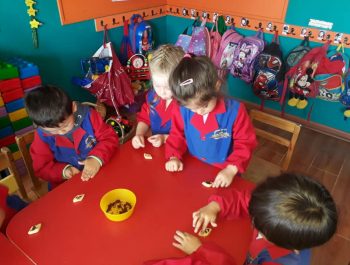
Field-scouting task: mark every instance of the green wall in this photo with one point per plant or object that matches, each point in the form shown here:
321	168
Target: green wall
62	47
326	113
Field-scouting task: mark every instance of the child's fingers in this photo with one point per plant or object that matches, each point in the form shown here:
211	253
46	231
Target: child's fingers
177	245
195	217
199	223
213	223
181	166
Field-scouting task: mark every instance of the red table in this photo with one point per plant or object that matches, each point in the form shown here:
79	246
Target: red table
10	255
81	234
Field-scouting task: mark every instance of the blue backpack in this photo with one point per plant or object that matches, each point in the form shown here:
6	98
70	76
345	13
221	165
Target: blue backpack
140	33
269	72
345	96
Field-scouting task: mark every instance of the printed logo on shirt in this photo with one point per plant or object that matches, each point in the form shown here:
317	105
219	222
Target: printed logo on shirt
220	134
90	141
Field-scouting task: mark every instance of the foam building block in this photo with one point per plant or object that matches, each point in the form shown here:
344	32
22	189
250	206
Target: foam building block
18	114
7	71
15	105
25	69
9	84
12	95
31	82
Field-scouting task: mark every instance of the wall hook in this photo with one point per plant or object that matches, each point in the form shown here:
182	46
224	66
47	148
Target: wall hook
161	11
123	18
114	22
101	23
292	31
177	11
144	14
310	35
153	13
259	26
346	39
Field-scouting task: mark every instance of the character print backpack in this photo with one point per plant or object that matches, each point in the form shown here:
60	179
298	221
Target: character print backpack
300	79
200	41
140	33
224	57
245	54
330	83
345	96
269	72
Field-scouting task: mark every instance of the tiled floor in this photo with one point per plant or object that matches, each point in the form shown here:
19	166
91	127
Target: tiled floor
326	159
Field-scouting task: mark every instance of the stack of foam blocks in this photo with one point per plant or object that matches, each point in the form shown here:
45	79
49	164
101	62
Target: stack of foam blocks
16	78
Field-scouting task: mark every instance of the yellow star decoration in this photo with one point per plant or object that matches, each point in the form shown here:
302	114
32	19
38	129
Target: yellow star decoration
30	3
34	24
31	11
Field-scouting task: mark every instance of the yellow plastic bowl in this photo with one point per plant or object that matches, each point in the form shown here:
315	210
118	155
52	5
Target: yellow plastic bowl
118	194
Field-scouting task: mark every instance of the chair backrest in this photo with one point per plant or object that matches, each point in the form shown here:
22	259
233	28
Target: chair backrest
99	107
12	180
281	124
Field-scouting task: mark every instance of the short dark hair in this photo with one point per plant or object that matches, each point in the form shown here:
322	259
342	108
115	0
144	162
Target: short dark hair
48	106
204	75
294	212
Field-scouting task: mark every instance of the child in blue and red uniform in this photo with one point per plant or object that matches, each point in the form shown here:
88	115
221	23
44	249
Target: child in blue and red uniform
70	137
156	112
215	129
290	214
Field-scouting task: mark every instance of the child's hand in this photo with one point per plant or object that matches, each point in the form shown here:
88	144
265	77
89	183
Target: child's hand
224	177
138	141
174	164
186	242
91	167
157	139
205	216
70	171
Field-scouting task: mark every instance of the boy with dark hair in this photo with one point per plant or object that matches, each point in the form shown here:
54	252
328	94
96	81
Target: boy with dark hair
290	214
70	137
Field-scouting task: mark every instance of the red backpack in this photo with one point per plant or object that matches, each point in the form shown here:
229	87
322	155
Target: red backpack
300	78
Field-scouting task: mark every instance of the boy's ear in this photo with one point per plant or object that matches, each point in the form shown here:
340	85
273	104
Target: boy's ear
74	107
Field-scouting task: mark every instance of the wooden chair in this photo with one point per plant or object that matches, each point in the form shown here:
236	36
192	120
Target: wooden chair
13	180
99	106
267	126
23	141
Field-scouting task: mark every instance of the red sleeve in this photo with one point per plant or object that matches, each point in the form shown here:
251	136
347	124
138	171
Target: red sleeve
233	203
143	115
176	143
207	254
44	164
244	141
107	139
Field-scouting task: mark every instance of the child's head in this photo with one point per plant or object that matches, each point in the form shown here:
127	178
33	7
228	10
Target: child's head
195	84
293	212
162	63
51	109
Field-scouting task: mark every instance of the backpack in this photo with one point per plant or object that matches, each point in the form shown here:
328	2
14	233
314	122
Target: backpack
228	44
200	41
331	83
300	78
215	37
184	39
244	56
140	32
269	71
298	53
125	46
345	96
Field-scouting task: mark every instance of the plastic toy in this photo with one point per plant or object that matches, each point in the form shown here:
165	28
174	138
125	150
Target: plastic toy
137	67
